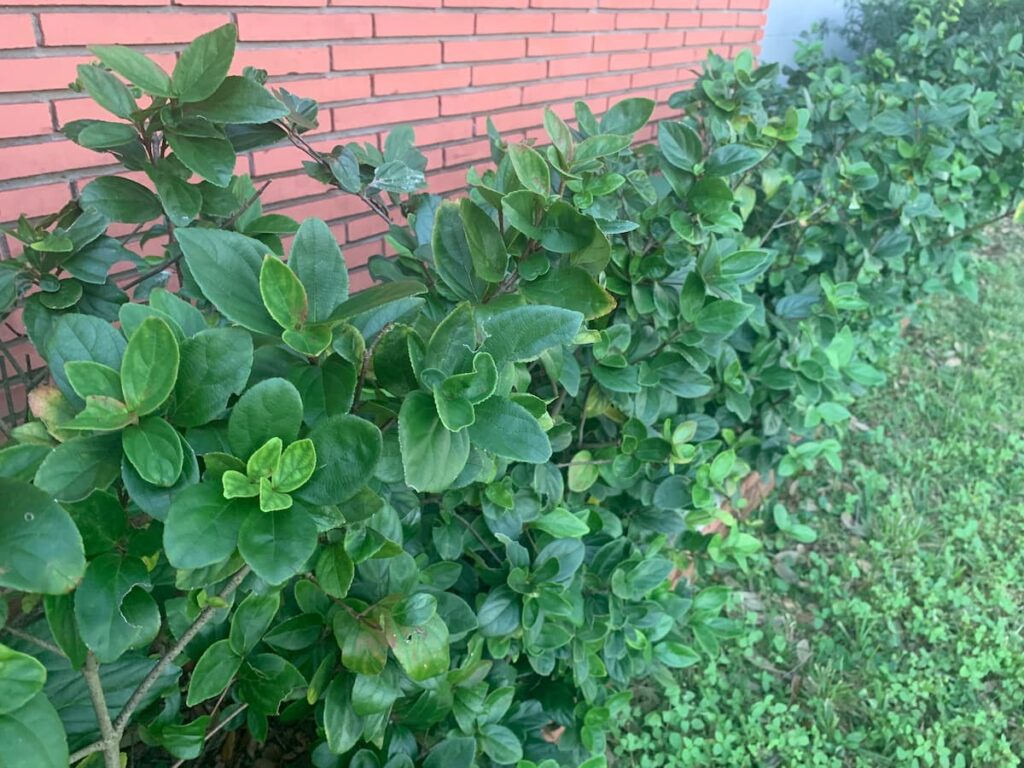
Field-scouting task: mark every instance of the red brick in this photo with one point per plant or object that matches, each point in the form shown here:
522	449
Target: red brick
359	280
625	4
606	84
16	31
675	56
512	23
578	66
366	226
562	3
289	188
329	208
396	3
712	3
739	35
664	39
24	120
639	20
717	19
422	24
250	3
479	101
48	157
486	3
629	60
584	22
39	74
274	27
284	158
447	181
384	113
126	28
758	20
703	36
444	131
553	91
752	5
382	56
673	4
494	74
690	20
420	81
328	89
283	61
467	153
620	42
483	50
653	77
11	3
556	46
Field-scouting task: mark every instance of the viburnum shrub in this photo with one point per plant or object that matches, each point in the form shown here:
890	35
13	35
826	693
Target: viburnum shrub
446	520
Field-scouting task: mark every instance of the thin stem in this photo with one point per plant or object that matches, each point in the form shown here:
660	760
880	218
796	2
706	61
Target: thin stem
111	742
220	727
36	640
477	536
121	723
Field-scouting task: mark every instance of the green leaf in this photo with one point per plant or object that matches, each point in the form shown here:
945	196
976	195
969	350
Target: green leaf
239	100
334	570
364	649
296	466
432	456
453	752
560	133
150	366
676	655
414	610
40	548
185	740
103	135
202	526
316	260
252	619
181	201
721	317
238	486
277	544
376	296
562	524
508	430
422	650
347	451
531	168
215	365
283	294
101	414
680	144
106	90
112	607
566	230
77	467
582	472
272	408
89	378
342	726
627	116
134	67
521	334
214	672
121	200
271	500
599	146
210	157
204	64
33	736
21	678
500	744
452	255
81	337
227	266
486	246
570	287
732	159
154	449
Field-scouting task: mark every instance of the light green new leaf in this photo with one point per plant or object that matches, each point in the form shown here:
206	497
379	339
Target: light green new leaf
432	456
89	378
283	294
722	317
521	334
582	472
154	449
150	366
296	466
214	672
316	260
562	524
204	64
101	414
421	650
226	265
135	68
508	430
21	678
202	526
40	547
276	544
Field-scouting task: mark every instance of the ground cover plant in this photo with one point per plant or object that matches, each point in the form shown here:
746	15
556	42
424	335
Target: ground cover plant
447	520
883	616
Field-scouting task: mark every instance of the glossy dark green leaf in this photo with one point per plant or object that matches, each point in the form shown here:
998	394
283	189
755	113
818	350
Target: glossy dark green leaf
506	429
135	68
121	200
239	100
452	255
211	157
213	673
432	456
531	168
202	526
571	288
111	607
154	449
106	90
79	466
627	116
334	570
252	619
316	260
486	246
215	364
521	334
204	64
347	451
731	159
272	408
680	144
277	544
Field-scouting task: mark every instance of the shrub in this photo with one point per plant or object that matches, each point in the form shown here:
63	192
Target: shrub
451	517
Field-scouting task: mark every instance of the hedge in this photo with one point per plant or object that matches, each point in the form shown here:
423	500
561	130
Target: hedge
445	521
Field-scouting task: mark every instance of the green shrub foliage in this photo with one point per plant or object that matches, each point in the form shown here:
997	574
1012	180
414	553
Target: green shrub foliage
446	520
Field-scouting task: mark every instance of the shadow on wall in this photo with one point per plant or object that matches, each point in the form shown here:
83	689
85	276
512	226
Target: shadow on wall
788	18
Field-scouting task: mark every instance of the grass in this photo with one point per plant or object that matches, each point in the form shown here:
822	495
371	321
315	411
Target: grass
897	637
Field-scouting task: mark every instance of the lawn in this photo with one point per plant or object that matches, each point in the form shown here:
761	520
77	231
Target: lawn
895	638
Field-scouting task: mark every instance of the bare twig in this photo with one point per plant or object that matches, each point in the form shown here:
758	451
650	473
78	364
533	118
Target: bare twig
220	727
133	703
36	640
111	742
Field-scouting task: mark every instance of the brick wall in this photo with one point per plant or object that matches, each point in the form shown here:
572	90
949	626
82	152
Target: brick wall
443	66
